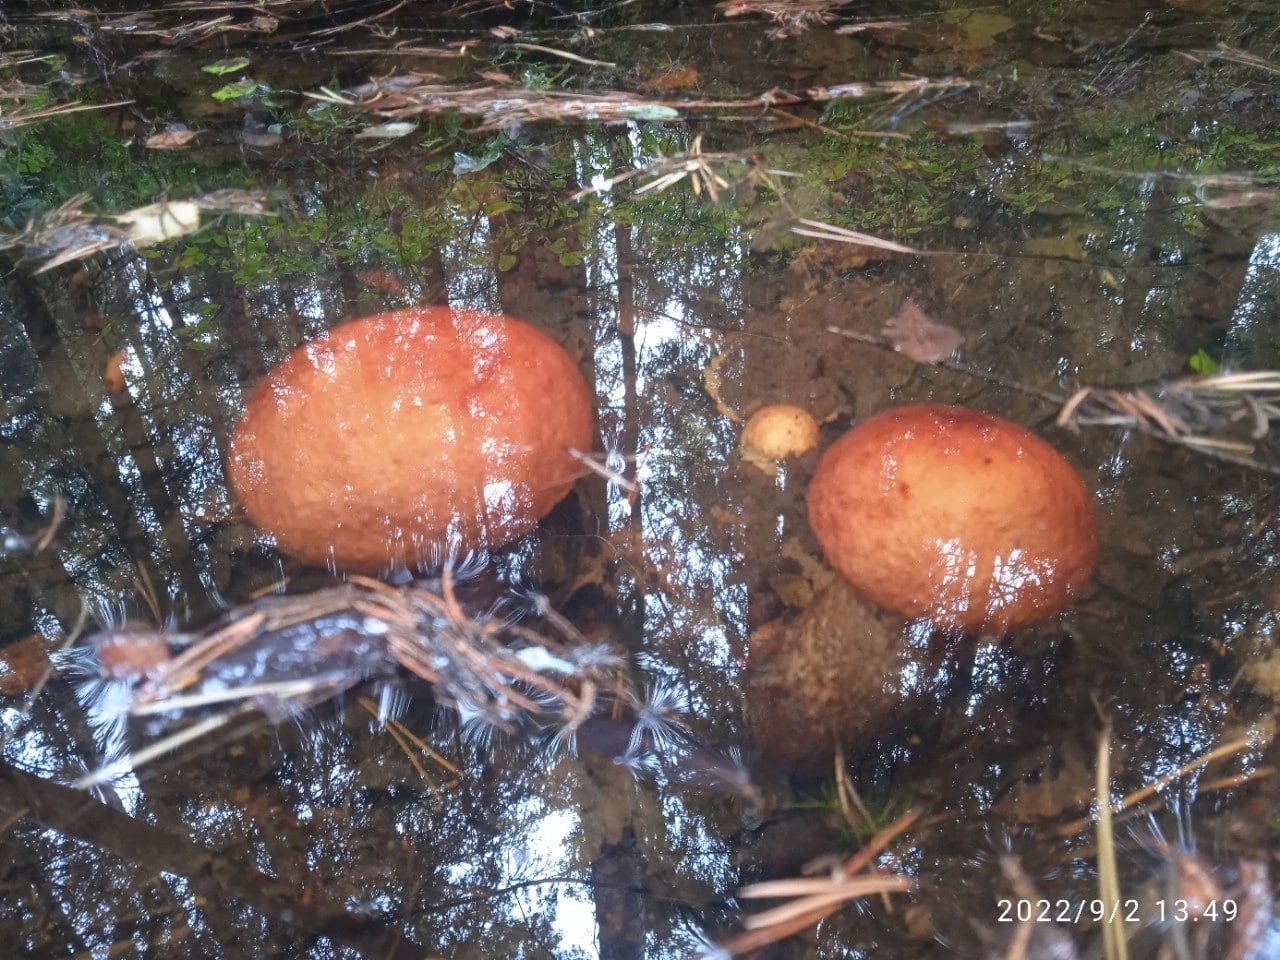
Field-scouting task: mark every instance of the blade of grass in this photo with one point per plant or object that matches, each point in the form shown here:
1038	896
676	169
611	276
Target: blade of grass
1115	947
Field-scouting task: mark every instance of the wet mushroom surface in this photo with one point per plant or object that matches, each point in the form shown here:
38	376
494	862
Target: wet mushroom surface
390	565
390	441
955	517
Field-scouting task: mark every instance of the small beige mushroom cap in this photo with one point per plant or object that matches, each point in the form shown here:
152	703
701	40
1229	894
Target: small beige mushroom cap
776	432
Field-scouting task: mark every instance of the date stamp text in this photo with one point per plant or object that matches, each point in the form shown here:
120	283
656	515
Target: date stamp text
1011	910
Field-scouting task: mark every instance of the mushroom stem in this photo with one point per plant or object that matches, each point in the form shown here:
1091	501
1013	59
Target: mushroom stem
842	674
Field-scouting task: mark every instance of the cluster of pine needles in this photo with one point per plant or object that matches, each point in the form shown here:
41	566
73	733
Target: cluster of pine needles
281	655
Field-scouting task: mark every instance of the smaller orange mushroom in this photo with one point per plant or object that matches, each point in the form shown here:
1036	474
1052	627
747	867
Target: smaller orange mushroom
954	516
388	438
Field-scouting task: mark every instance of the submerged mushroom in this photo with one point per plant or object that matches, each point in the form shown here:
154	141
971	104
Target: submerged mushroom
775	432
841	674
942	523
388	438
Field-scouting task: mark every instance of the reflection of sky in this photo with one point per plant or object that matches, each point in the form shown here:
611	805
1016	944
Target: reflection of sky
163	378
666	338
549	840
470	279
1256	307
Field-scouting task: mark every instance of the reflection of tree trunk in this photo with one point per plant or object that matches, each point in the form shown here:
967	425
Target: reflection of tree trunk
543	291
74	444
41	576
63	405
433	278
211	875
613	821
349	286
232	327
180	575
544	288
618	884
629	438
542	285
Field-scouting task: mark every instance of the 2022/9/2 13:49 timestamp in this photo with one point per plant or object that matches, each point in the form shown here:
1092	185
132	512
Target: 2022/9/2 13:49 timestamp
1120	911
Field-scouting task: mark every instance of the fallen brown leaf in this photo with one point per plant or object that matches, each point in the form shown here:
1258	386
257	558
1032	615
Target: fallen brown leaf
174	137
678	78
919	336
23	663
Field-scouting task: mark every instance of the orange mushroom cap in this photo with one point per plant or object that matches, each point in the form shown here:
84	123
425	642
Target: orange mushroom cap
955	516
388	438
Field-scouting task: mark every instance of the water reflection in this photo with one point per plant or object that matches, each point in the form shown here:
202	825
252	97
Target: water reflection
457	837
1256	302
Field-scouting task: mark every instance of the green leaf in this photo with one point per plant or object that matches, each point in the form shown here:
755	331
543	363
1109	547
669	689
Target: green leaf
1202	363
236	90
506	262
464	163
223	67
34	157
193	256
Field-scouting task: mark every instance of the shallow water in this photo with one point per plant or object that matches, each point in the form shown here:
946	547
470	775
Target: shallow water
1094	208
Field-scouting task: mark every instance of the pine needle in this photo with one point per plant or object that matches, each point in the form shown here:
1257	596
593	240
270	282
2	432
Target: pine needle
1115	947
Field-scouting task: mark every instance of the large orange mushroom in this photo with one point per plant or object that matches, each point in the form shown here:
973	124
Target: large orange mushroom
954	516
391	437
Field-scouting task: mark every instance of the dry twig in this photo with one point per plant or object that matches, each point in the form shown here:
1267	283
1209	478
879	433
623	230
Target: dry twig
282	654
705	171
22	118
1138	796
829	231
401	96
1238	407
70	233
1200	413
814	898
1114	943
791	17
1234	55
